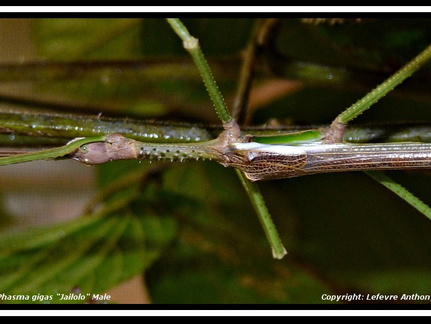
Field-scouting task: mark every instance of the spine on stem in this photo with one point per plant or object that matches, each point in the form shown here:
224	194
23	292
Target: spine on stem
117	147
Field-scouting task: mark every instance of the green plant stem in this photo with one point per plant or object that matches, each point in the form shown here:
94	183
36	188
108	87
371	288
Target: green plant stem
401	192
380	91
35	130
278	250
191	45
72	126
49	154
366	102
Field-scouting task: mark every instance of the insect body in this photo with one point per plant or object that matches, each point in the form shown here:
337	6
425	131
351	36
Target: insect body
266	162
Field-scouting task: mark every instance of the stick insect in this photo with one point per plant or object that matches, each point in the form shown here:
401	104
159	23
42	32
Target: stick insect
257	156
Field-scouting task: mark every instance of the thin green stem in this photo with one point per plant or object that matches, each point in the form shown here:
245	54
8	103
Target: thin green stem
366	102
49	154
191	44
37	130
278	250
401	192
380	91
72	126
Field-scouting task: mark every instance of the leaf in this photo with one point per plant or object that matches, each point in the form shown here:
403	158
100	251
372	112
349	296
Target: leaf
221	254
92	254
